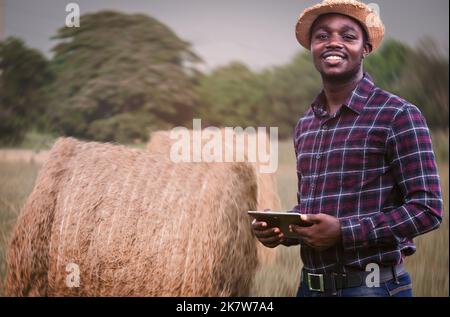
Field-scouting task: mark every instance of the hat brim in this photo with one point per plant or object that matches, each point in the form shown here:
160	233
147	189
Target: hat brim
359	11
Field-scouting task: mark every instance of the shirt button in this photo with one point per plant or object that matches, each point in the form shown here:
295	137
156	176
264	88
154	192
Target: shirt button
324	127
318	156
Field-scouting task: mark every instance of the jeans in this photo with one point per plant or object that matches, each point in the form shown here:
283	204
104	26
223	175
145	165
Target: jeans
386	289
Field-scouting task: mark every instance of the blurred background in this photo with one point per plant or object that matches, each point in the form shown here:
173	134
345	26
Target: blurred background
136	66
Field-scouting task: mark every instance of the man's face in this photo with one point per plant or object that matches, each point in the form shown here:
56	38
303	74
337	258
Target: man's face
338	46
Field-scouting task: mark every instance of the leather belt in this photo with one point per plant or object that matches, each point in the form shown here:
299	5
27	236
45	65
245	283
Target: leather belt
321	282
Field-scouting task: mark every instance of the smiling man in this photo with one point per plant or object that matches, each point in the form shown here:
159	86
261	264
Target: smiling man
367	175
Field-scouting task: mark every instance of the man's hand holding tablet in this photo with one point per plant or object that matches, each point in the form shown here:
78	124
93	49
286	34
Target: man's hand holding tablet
273	228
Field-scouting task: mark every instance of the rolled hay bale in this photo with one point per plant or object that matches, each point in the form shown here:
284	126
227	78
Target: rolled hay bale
27	256
134	224
267	197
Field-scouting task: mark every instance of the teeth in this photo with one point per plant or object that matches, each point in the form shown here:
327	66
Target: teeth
334	58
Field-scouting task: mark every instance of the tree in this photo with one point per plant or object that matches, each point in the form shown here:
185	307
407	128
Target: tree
388	64
230	96
23	74
119	76
233	95
425	83
289	90
418	75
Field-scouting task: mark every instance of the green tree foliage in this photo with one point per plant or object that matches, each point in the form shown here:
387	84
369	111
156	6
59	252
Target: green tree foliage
418	75
388	64
289	90
233	95
119	76
230	96
23	74
425	83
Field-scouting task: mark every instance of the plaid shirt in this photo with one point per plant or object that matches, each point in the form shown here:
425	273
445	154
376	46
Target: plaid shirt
372	166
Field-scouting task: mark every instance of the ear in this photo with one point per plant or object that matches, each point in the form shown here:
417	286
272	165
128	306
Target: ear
367	49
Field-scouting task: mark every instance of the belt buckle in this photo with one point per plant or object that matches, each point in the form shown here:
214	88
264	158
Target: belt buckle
318	278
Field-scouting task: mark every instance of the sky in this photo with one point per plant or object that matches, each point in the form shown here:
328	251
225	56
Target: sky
259	33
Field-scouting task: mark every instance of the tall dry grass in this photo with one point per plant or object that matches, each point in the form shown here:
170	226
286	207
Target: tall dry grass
16	183
428	267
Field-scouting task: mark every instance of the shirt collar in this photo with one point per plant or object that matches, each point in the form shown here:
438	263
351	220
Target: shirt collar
356	101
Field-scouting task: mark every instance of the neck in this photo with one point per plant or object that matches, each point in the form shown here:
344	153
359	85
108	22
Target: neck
337	89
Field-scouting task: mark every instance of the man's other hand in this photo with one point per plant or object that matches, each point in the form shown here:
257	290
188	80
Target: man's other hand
324	233
270	237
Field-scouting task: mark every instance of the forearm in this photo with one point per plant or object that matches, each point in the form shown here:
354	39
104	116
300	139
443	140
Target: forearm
391	228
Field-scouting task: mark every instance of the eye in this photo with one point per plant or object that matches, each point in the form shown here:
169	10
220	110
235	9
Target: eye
322	36
349	37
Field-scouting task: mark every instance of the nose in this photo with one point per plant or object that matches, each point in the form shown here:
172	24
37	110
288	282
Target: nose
334	42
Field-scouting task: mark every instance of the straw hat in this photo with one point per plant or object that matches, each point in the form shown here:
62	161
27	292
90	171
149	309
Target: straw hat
361	12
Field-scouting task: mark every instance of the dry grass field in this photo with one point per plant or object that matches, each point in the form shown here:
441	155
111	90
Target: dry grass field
429	266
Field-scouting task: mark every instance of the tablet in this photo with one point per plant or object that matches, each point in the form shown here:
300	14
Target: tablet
280	220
